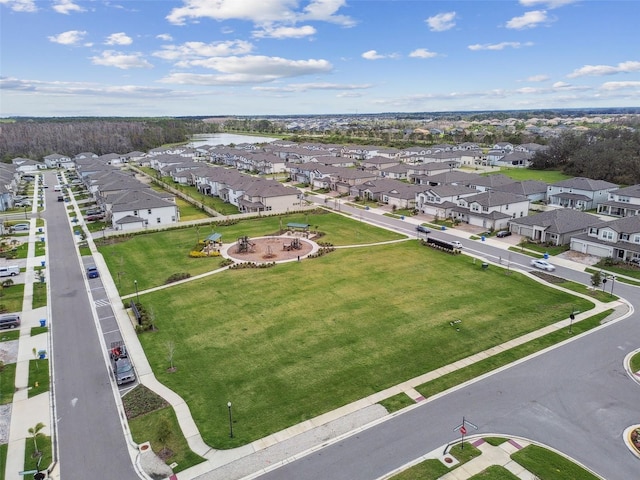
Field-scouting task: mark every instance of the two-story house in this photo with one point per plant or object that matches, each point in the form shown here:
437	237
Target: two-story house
579	192
622	202
618	239
491	210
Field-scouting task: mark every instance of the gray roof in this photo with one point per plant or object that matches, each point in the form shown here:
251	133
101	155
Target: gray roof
492	181
493	198
526	187
560	221
631	191
624	225
583	183
137	200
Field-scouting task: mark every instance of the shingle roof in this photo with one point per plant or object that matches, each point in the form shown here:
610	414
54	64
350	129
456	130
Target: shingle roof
583	183
560	221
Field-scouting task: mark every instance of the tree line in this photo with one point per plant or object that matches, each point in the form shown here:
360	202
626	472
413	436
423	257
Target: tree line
611	154
37	138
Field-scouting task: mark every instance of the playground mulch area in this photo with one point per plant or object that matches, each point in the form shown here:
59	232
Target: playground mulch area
270	249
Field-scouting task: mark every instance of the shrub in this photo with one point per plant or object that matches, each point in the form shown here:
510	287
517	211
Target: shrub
176	277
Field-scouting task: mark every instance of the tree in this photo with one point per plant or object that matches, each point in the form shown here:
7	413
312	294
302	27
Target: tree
163	433
171	350
34	432
596	279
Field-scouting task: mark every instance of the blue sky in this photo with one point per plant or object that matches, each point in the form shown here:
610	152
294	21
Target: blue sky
285	57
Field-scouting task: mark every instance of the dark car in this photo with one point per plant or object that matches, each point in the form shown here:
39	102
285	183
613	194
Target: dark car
92	272
423	229
61	198
94	217
503	233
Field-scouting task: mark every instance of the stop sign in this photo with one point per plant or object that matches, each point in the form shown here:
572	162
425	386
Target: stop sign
463	430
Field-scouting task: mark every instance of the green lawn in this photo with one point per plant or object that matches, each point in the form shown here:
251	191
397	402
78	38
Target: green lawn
288	343
546	464
31	462
11	298
3	459
635	363
152	257
7	383
494	472
39	295
433	469
38	374
519	174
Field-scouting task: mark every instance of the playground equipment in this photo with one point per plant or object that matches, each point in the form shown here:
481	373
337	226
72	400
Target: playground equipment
244	245
294	245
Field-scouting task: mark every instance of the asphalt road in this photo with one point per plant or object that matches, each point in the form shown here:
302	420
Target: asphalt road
91	441
576	398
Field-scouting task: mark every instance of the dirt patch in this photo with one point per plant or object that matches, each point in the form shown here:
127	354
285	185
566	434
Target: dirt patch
271	249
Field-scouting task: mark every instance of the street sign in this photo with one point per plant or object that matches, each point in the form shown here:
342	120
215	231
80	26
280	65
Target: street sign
463	430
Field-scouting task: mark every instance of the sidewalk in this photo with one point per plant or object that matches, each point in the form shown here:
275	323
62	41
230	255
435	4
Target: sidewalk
26	412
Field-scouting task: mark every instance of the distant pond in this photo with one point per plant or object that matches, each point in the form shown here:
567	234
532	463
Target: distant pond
226	139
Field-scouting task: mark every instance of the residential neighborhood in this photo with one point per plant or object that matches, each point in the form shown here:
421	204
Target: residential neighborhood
459	182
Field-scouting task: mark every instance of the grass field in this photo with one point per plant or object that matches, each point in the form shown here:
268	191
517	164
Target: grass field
288	343
520	174
7	383
153	257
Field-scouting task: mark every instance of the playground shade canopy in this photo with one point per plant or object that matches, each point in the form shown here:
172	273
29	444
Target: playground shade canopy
214	237
303	226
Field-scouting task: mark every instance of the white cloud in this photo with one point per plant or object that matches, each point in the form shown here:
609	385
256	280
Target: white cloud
248	69
374	55
531	19
612	86
499	46
547	3
538	78
285	32
598	70
442	21
422	53
80	88
303	87
260	12
165	37
124	61
119	38
71	37
194	50
66	7
28	6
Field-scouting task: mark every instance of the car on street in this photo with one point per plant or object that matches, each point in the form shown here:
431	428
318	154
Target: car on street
542	265
92	272
423	229
456	244
20	227
503	233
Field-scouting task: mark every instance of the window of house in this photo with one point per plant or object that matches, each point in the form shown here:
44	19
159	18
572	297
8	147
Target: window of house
636	239
485	209
158	220
149	211
607	235
173	219
135	212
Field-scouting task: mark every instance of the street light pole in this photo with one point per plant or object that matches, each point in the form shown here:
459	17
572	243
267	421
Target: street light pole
613	281
135	282
230	421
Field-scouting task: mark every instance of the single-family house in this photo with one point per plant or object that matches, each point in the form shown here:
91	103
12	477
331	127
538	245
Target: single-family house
579	192
491	210
622	202
618	239
554	226
534	190
439	200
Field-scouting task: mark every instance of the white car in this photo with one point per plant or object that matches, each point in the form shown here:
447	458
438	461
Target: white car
543	265
456	244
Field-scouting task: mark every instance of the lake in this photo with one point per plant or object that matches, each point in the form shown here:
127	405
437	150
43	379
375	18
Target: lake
226	139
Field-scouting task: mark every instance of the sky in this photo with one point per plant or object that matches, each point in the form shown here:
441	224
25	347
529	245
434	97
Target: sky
295	57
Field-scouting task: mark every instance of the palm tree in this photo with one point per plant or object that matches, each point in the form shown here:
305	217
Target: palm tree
34	432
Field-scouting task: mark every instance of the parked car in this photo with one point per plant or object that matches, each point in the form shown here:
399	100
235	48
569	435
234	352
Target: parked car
20	227
423	229
92	272
93	211
503	233
542	264
9	271
456	244
93	218
122	367
10	320
61	198
22	203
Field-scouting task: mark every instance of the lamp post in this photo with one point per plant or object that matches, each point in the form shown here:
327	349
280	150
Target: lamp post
613	281
135	282
230	421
